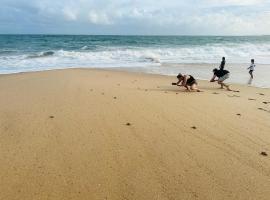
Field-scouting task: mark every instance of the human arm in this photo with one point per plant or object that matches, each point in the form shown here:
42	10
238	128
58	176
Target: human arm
177	83
184	82
213	78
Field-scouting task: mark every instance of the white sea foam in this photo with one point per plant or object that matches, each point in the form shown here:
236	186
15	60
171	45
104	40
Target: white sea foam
161	60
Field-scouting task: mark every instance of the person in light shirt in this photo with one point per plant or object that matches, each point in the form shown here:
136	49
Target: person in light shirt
251	68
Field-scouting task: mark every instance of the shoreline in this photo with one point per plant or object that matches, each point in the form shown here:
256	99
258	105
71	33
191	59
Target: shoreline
126	70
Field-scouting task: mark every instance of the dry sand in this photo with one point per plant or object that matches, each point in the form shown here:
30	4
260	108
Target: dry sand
94	134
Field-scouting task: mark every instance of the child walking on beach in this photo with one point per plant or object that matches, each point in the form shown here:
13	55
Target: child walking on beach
251	68
188	81
222	76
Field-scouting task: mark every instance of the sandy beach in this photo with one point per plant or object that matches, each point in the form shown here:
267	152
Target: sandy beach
97	134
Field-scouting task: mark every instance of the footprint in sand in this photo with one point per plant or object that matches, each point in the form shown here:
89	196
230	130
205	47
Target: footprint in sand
238	114
158	87
264	110
145	90
115	97
194	127
233	96
51	117
215	93
262	94
236	91
165	92
250	99
176	93
266	102
128	124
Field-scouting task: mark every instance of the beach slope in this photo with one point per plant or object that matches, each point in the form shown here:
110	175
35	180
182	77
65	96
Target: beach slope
96	134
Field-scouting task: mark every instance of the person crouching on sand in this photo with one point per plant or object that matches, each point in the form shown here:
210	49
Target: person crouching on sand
187	81
222	75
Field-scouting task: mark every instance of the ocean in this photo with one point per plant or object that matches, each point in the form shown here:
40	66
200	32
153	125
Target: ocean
168	55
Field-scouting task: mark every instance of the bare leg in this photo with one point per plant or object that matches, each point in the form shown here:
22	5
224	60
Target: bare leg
251	74
194	87
221	86
226	86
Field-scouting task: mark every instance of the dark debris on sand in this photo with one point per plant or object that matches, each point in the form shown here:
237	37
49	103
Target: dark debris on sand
263	153
115	97
128	124
194	127
51	117
238	114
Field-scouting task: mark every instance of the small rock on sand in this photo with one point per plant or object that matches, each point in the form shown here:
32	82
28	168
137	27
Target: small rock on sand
238	114
194	127
51	116
128	124
263	153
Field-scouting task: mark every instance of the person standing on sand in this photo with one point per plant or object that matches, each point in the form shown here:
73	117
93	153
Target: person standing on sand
187	81
222	64
222	76
251	68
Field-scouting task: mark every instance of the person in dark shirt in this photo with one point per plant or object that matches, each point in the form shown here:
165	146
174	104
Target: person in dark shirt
222	64
188	81
222	75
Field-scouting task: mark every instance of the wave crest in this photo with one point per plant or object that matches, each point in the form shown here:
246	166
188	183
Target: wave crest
42	54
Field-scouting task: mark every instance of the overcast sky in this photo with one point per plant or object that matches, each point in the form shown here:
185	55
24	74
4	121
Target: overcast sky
151	17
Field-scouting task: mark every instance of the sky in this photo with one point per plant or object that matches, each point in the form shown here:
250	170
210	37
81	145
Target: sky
135	17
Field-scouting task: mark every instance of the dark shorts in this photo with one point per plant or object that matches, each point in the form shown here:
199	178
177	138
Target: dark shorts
250	71
191	83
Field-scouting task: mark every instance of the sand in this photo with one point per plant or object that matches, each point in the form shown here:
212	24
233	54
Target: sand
96	134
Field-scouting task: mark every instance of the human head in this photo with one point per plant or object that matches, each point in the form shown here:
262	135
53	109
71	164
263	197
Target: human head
179	76
252	60
215	70
223	58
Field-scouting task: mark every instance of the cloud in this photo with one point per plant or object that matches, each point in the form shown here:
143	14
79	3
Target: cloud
194	17
70	14
100	18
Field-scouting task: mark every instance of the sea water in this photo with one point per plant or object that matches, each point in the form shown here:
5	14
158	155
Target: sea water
168	55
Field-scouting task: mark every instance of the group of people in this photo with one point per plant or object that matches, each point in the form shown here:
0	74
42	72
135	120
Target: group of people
219	75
